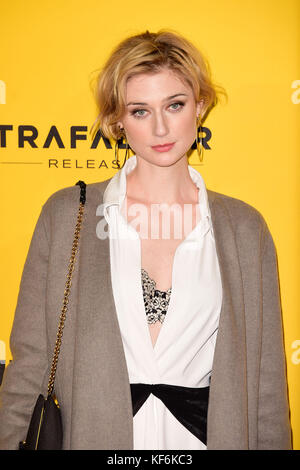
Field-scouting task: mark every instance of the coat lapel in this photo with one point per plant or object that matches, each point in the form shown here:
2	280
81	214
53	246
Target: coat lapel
227	413
101	402
100	371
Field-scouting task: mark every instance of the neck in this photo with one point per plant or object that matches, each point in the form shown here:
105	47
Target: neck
153	184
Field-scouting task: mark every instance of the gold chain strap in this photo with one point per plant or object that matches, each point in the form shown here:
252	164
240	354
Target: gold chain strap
65	301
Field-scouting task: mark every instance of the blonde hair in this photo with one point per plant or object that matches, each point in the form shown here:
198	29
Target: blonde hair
149	53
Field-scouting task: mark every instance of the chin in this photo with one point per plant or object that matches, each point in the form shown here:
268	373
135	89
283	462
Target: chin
169	160
164	159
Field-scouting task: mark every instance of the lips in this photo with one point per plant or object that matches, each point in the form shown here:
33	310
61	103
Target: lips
163	148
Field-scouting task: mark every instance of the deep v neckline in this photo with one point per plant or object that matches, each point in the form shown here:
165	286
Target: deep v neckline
171	299
132	230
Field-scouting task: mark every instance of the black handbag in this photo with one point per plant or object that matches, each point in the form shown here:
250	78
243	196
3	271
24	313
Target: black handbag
45	430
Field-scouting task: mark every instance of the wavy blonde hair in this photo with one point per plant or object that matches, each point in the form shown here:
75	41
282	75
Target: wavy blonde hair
149	53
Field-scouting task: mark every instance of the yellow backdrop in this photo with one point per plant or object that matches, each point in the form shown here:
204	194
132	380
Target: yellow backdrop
49	53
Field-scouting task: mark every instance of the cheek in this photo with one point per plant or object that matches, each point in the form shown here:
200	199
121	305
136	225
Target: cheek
137	132
187	129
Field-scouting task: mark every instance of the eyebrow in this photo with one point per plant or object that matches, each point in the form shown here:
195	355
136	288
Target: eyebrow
166	99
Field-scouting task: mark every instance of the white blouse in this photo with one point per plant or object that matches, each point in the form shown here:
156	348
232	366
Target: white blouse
183	352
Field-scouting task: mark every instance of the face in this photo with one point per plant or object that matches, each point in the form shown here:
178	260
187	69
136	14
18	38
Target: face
160	109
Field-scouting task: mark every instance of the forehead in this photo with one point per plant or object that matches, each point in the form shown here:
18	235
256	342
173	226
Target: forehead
155	85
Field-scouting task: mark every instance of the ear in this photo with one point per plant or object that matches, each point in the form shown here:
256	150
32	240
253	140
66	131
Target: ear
200	107
120	124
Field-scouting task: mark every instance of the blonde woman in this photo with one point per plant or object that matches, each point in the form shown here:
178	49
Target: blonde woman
173	338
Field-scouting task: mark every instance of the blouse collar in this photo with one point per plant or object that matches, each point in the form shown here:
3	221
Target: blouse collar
115	191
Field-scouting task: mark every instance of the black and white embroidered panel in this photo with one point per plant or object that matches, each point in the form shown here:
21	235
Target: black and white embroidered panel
156	301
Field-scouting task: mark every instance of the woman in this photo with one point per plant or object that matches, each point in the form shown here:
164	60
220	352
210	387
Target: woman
205	367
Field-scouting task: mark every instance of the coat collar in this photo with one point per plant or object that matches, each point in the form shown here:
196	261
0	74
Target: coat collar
99	343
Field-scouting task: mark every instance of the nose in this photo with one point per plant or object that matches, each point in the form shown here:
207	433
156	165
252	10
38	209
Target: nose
160	124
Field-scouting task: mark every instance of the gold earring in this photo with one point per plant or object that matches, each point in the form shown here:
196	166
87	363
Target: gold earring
200	149
117	147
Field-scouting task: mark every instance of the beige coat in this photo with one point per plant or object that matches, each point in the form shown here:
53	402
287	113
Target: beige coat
248	406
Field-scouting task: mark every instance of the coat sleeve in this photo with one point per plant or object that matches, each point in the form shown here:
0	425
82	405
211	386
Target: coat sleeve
274	430
23	377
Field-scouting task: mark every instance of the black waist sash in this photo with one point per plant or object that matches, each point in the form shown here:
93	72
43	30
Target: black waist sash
188	405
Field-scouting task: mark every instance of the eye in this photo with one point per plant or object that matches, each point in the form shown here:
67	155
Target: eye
138	113
177	106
